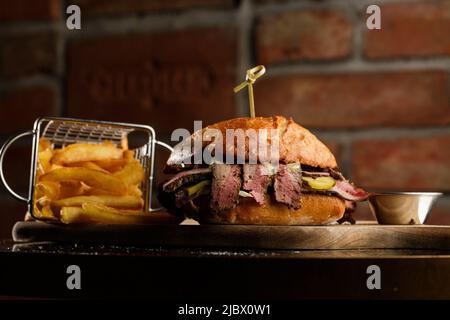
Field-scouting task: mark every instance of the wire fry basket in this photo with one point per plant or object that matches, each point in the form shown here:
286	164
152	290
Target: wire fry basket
61	132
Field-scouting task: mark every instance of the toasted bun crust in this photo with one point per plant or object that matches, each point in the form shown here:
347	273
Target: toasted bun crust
296	144
315	210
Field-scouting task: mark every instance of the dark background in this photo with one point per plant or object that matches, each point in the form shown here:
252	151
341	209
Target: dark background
378	98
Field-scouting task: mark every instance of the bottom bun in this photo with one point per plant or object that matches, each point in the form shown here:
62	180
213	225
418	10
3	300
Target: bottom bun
315	210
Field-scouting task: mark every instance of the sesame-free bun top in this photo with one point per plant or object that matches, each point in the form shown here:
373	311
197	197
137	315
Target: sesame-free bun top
296	144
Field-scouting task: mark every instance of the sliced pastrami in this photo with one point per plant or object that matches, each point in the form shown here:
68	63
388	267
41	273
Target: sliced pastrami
225	186
287	185
257	178
348	191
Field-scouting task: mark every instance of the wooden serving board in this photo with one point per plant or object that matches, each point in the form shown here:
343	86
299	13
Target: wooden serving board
359	236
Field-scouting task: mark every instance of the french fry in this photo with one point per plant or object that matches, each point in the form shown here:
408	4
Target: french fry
44	144
90	177
114	165
93	165
97	192
86	152
134	190
126	202
44	158
124	143
47	212
43	210
111	165
37	211
72	188
49	189
128	155
43	201
55	166
55	190
94	208
87	164
95	213
72	215
132	173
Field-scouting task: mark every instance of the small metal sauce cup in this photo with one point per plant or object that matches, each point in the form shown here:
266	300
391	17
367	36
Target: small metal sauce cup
402	207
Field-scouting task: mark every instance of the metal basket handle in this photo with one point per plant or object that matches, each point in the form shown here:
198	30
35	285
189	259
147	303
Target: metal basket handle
3	150
165	145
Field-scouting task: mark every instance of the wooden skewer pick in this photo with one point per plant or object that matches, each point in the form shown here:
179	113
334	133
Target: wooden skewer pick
252	74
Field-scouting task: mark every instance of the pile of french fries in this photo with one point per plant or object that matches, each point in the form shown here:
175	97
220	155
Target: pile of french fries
90	183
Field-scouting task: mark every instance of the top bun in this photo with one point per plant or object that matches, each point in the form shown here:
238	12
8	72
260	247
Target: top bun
296	144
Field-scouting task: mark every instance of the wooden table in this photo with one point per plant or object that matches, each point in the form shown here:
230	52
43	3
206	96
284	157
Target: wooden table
39	270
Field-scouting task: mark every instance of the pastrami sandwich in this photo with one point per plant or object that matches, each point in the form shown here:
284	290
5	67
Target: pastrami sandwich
304	187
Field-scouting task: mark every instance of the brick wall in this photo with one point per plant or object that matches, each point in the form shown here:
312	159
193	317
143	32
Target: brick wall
378	98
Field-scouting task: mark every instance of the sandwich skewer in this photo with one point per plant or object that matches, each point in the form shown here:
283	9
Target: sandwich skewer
250	78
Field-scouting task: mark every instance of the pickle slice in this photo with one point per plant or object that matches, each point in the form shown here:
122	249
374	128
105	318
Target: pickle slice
197	188
320	183
245	194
